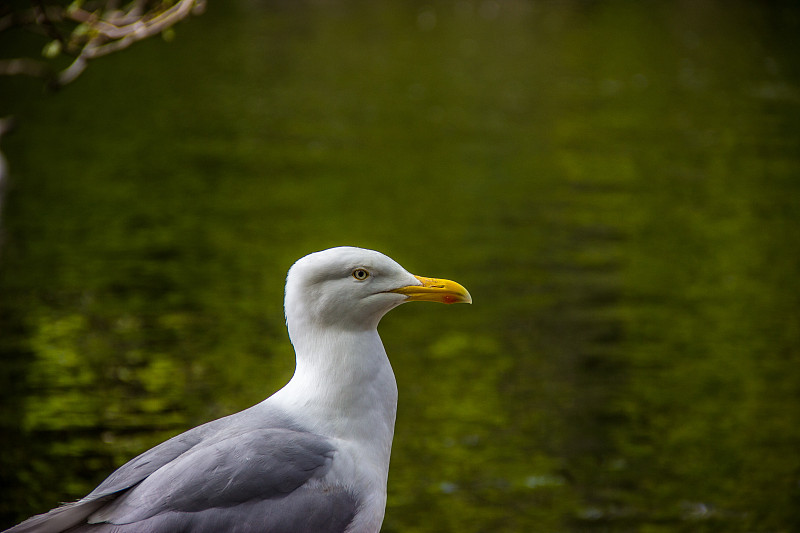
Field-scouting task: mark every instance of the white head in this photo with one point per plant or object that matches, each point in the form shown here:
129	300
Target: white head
352	288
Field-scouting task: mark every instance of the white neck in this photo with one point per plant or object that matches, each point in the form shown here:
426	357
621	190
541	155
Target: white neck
343	388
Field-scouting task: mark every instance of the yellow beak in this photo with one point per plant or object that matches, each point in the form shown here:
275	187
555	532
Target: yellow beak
436	290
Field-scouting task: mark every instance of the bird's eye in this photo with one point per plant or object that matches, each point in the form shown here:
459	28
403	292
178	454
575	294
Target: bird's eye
360	274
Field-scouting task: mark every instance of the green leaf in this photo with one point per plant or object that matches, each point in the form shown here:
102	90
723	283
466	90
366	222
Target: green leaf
74	6
81	30
52	49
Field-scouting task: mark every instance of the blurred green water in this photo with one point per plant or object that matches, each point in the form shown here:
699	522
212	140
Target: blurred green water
616	183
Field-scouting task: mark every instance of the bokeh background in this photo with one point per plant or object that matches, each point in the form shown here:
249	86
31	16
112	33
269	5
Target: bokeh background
617	183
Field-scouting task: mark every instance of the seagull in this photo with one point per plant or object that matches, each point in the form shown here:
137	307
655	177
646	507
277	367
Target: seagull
313	457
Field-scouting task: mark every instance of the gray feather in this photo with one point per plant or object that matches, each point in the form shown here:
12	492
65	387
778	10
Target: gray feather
302	511
258	464
59	519
230	471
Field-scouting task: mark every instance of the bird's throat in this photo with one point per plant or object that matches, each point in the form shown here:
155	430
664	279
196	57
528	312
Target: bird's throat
345	379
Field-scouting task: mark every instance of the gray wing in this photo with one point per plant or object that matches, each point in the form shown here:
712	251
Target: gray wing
218	477
303	511
265	481
258	465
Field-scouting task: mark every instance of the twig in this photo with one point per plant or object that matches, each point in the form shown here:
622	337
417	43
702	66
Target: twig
25	67
121	37
139	29
68	75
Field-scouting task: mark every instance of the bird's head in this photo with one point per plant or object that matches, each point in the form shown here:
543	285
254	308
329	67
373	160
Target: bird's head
353	288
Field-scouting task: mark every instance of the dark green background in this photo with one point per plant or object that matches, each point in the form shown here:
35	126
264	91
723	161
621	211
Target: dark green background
617	184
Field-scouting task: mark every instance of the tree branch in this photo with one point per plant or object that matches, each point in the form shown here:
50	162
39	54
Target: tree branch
95	33
139	27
